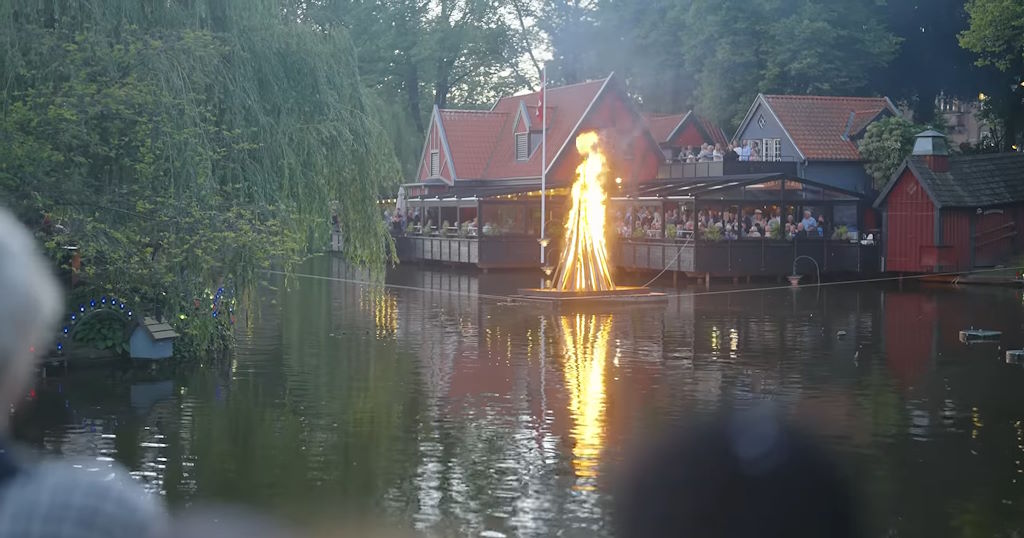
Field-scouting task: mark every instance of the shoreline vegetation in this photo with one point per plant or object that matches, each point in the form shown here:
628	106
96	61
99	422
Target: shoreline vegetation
182	149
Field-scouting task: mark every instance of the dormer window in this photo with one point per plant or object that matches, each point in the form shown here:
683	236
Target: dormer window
522	146
435	163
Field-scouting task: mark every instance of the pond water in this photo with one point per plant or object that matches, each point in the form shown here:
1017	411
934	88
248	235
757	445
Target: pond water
451	413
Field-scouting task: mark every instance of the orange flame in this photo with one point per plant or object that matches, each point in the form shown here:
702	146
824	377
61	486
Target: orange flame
584	262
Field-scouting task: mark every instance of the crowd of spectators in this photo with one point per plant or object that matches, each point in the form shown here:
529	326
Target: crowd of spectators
749	151
717	224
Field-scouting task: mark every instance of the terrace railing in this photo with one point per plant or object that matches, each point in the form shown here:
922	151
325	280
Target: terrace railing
679	170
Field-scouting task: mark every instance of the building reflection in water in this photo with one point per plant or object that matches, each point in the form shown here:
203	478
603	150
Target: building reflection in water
586	337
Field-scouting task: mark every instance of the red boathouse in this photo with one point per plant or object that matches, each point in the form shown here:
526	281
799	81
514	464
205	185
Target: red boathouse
951	214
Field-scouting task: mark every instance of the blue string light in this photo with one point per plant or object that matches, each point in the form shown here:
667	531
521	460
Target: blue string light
75	318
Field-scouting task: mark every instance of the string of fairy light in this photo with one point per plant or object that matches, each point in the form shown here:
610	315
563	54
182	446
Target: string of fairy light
116	305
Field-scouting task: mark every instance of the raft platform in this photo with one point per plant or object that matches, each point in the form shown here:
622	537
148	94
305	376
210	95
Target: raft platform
624	295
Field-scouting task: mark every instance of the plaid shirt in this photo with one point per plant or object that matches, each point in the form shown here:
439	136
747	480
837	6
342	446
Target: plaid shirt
88	499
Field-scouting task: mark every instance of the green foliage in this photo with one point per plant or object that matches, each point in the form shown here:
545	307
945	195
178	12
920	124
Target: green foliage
187	145
712	233
102	331
417	54
884	146
996	33
719	54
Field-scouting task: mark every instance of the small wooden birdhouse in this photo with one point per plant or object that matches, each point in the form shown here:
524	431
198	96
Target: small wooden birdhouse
153	340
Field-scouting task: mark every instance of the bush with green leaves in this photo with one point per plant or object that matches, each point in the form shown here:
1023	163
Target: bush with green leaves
712	233
884	146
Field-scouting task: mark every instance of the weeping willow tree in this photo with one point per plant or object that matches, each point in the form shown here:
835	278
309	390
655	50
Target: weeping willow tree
183	144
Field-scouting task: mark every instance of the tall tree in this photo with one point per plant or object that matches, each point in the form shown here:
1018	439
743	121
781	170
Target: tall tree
928	29
719	54
185	144
421	53
996	34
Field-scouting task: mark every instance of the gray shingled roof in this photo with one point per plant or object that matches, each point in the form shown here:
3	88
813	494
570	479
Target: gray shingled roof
972	180
158	330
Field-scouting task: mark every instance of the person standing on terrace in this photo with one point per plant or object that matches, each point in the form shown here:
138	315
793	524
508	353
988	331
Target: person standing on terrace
809	223
745	151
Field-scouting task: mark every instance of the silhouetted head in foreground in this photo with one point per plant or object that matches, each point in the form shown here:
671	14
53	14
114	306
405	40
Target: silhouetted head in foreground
738	476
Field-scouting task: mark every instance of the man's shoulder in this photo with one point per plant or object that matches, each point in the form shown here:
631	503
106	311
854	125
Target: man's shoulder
92	496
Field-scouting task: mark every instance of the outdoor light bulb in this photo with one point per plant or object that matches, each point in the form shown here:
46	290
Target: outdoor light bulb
982	96
618	181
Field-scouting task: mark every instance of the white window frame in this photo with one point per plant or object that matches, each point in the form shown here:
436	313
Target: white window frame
773	144
435	163
522	146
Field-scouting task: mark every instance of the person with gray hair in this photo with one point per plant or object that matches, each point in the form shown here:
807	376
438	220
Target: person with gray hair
55	499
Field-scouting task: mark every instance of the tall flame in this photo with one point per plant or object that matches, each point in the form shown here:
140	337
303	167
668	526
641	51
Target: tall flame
584	262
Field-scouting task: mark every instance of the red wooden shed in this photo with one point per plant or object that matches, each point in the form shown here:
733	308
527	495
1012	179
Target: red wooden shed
951	214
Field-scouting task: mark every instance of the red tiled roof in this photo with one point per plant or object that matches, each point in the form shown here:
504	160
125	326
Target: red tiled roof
661	127
481	141
565	106
818	124
716	132
471	135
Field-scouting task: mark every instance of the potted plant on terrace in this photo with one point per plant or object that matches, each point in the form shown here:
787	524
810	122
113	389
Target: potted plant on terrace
712	233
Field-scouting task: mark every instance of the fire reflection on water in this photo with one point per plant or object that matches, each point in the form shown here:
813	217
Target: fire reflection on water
586	338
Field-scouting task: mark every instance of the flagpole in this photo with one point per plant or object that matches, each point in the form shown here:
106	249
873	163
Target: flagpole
543	162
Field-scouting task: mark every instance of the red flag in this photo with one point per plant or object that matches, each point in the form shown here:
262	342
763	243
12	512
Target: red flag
540	99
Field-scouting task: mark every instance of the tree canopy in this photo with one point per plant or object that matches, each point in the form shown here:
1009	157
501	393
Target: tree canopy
884	146
996	35
182	145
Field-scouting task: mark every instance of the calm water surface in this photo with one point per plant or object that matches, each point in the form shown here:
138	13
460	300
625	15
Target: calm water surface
456	415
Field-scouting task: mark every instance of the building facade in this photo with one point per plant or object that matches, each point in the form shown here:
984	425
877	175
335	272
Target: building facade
818	133
951	214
